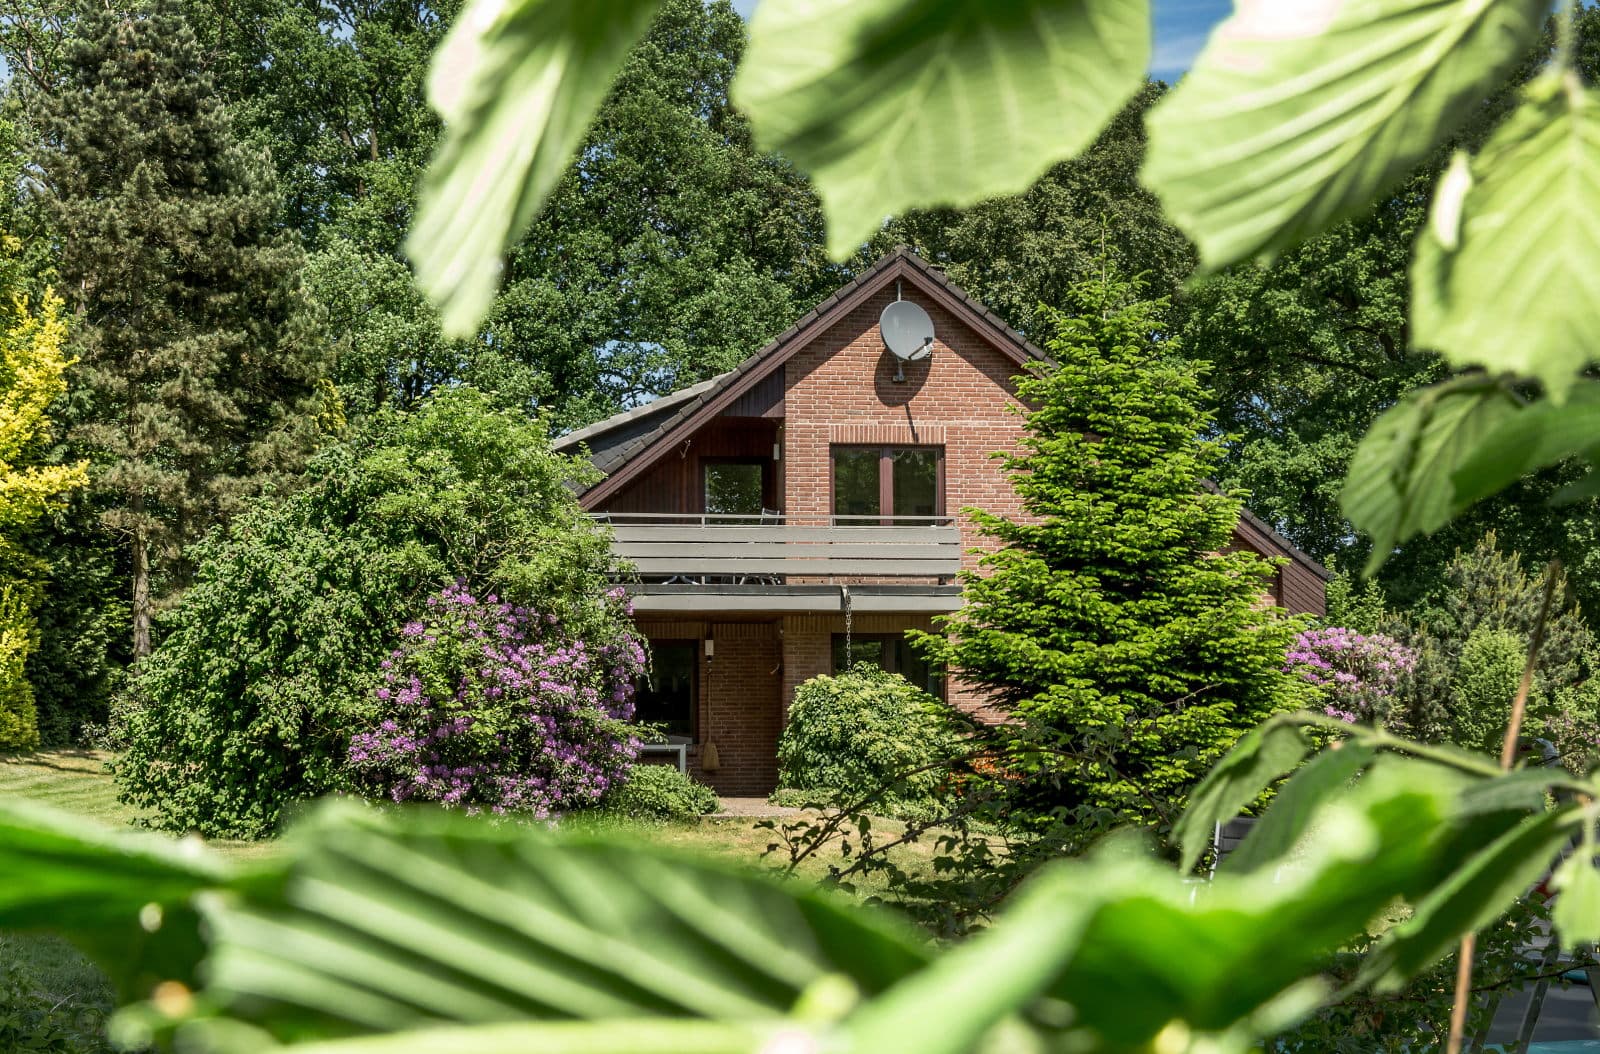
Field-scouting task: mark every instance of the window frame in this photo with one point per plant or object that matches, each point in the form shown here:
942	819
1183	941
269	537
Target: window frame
696	648
886	451
936	675
768	483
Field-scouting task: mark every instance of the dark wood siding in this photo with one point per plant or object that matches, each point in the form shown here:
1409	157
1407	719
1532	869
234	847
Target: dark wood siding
764	400
1296	586
673	483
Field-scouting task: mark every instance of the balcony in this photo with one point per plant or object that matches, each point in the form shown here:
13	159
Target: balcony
776	565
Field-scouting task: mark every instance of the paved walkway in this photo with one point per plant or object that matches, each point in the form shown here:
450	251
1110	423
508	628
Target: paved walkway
757	807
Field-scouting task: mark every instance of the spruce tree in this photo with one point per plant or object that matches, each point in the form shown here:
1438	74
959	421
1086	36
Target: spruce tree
1129	646
198	373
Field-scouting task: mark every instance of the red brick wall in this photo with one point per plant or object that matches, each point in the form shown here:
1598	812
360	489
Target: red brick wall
840	389
740	706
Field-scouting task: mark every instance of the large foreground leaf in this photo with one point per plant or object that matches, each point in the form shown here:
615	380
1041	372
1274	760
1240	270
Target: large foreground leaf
1474	895
896	104
123	897
1542	434
381	926
1399	484
1120	947
517	83
1507	273
1297	115
648	1036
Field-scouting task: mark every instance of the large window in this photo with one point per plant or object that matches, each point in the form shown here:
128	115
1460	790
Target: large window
888	483
667	696
887	651
734	488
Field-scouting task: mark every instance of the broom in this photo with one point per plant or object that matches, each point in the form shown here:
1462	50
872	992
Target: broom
710	761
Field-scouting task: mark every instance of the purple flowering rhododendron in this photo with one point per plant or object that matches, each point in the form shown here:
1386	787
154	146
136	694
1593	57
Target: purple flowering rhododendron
1358	672
486	705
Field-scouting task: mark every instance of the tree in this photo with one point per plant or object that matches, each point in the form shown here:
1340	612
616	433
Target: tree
1114	625
198	384
272	658
1485	610
672	248
1016	253
33	365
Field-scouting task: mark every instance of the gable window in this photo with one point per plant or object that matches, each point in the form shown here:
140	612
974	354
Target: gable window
667	696
888	483
734	487
887	651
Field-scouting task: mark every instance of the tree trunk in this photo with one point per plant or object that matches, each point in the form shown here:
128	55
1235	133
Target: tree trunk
141	594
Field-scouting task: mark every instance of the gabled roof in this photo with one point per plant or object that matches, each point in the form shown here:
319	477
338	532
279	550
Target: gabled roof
662	423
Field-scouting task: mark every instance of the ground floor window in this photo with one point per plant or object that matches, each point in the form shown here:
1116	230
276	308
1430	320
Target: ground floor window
667	696
887	651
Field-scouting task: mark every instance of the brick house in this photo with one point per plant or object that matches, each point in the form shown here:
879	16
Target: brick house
816	489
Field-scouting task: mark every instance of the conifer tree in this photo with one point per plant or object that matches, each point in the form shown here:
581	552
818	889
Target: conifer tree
32	369
199	365
1128	644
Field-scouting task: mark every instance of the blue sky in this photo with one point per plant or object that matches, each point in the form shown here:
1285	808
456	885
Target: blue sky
1181	27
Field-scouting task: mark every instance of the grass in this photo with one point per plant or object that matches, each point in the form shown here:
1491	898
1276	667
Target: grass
79	781
74	780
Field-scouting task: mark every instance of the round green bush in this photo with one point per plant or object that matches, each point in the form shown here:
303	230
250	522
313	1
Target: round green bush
660	792
272	660
1486	679
863	731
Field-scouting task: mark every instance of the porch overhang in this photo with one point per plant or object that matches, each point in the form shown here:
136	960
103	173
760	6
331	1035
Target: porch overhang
680	598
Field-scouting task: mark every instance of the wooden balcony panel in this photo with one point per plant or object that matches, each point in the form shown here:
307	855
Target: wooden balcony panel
739	549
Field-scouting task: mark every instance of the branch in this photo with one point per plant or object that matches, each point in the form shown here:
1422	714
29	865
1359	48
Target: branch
1508	754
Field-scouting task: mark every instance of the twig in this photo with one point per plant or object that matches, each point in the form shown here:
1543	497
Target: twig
1508	754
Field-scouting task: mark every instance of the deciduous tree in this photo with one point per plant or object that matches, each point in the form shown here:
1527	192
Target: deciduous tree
33	365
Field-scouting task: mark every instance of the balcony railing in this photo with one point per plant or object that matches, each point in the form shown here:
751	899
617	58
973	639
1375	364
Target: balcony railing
707	548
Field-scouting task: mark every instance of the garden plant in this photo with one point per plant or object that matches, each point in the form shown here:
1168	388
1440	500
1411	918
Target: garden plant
487	705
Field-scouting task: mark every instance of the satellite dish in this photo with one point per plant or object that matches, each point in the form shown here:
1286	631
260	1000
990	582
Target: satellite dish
907	331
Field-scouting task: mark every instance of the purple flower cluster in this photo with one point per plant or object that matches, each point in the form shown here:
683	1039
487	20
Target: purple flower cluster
1358	672
487	705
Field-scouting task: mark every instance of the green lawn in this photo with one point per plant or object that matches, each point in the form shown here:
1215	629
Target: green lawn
80	782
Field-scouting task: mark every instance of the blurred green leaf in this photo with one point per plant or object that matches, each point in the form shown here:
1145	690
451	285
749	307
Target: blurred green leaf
1108	953
1576	913
1538	435
896	104
1507	274
1583	488
122	896
1474	895
517	83
1399	483
1319	781
1296	116
647	1036
1263	755
429	920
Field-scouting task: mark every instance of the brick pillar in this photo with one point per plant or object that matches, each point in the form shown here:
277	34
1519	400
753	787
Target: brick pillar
741	708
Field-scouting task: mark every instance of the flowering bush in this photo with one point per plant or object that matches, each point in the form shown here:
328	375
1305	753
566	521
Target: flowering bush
1358	672
485	705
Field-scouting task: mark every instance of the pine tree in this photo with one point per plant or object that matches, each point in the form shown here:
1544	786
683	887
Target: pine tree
1128	644
198	363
